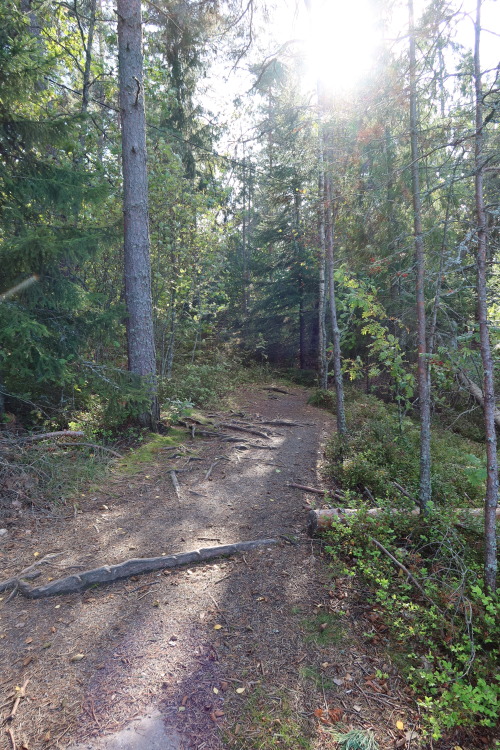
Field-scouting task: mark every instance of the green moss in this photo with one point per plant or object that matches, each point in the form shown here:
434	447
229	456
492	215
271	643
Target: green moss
267	722
148	452
324	629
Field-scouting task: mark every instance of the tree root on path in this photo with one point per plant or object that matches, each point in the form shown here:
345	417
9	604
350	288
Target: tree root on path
136	566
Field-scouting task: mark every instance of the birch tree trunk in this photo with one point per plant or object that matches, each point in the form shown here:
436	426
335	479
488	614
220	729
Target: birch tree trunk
491	501
424	495
137	264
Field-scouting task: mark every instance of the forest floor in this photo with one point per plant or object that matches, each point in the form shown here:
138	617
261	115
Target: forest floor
263	650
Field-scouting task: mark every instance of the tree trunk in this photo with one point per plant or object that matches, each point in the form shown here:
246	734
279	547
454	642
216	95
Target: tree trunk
330	265
490	552
422	365
322	359
137	264
302	326
88	57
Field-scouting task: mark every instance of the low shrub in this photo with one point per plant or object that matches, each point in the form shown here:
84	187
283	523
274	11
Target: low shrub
445	635
384	448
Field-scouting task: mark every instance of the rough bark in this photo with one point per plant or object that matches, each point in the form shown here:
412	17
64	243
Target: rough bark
491	501
422	365
330	265
88	56
322	358
137	264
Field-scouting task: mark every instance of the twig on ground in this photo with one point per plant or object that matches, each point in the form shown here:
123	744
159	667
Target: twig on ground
313	490
21	693
11	737
93	445
50	435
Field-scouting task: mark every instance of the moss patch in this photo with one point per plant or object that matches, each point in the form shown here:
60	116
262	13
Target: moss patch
266	722
149	450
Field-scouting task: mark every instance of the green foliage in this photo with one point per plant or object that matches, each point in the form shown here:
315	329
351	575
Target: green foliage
355	739
326	628
383	448
448	643
322	399
266	722
201	384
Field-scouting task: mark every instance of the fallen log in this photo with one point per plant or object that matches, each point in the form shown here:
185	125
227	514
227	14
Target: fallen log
274	388
93	445
135	566
319	520
476	393
51	435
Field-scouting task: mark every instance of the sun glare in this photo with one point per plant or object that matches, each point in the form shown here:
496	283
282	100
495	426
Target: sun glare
340	42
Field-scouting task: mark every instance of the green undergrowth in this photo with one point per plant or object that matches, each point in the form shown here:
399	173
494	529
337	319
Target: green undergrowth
205	384
383	448
325	628
266	721
429	608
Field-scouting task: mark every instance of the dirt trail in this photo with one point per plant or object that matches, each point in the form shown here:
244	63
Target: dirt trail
237	653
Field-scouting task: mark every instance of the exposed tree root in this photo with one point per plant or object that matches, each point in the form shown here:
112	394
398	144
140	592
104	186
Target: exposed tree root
136	566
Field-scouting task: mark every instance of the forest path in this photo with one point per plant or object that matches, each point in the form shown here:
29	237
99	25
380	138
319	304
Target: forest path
235	653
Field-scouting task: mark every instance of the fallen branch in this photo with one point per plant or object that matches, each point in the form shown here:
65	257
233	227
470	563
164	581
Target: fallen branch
403	491
21	693
476	393
136	566
405	570
236	427
313	490
274	388
50	435
11	737
175	482
94	445
248	445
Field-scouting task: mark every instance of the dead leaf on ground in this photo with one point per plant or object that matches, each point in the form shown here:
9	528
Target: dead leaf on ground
335	714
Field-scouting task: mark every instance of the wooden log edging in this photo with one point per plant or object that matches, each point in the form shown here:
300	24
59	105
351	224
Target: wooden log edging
135	566
319	520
